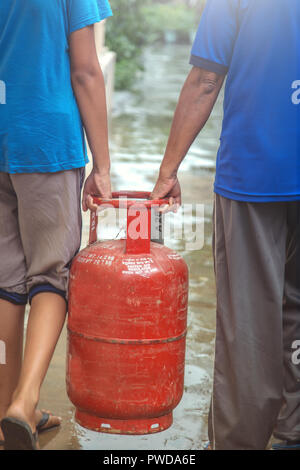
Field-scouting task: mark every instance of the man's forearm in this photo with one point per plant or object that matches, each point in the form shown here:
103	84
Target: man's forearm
196	102
89	89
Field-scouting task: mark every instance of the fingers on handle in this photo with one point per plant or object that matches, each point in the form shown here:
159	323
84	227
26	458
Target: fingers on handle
169	208
88	203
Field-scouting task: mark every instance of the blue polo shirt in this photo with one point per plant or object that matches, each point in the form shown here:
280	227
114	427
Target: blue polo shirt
257	44
40	124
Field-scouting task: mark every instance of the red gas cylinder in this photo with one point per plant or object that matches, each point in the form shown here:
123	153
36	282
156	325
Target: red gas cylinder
127	328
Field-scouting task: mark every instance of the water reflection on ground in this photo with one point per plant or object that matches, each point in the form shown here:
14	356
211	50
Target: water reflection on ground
139	129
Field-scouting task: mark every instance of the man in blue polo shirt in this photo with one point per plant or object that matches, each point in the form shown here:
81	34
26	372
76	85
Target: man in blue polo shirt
256	43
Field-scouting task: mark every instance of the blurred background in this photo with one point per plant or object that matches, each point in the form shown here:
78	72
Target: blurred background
140	23
144	51
149	43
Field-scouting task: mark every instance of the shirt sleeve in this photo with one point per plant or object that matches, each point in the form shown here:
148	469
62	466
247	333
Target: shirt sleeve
216	35
83	13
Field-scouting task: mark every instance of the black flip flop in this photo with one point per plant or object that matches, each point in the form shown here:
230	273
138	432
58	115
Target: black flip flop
44	420
39	427
18	435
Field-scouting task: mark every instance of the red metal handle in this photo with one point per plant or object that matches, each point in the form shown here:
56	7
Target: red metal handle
137	242
126	199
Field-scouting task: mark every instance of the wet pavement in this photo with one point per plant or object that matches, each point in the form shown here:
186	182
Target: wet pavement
139	128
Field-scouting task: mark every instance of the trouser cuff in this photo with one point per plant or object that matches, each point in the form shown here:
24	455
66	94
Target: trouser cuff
14	297
41	288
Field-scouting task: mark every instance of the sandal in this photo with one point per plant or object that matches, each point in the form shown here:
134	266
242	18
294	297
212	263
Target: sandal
18	435
40	426
44	420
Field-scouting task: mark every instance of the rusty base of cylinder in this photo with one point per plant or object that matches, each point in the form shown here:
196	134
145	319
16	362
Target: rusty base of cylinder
120	426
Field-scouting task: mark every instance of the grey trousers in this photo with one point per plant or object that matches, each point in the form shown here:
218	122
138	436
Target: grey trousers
256	389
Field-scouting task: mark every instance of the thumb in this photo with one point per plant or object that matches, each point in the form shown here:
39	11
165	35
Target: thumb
152	195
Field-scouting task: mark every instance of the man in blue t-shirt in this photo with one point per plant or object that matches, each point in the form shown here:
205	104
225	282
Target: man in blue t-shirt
51	89
256	241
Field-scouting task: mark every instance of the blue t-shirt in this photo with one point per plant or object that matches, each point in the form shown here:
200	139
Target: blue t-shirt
40	124
257	42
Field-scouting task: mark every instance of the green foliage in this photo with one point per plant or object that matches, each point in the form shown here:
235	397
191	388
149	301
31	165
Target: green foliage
174	17
126	71
126	35
137	23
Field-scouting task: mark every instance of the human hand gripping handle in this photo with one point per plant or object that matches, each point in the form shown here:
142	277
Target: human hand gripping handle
168	187
97	184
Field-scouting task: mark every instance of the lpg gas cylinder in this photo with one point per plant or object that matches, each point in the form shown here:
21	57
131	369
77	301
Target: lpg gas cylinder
127	327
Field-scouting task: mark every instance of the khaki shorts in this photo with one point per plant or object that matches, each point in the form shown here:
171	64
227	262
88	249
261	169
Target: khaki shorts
40	232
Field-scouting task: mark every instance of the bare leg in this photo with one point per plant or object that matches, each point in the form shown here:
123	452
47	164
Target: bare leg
11	332
46	319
